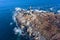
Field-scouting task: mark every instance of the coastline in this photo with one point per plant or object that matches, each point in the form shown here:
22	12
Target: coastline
29	23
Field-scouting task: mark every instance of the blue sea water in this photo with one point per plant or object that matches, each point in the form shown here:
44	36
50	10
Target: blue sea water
6	11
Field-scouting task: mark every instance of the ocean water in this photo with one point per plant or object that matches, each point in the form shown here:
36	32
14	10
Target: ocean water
7	8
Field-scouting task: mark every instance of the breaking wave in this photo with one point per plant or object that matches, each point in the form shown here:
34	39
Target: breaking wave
16	29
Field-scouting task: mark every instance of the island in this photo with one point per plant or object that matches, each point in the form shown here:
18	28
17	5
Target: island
38	24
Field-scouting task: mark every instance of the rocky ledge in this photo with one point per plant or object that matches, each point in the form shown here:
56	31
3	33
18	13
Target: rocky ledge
39	25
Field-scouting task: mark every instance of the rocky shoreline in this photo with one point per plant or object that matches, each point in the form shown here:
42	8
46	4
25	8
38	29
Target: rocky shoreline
39	24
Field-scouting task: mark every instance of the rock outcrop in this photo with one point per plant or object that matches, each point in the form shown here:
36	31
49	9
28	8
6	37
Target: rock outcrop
39	25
